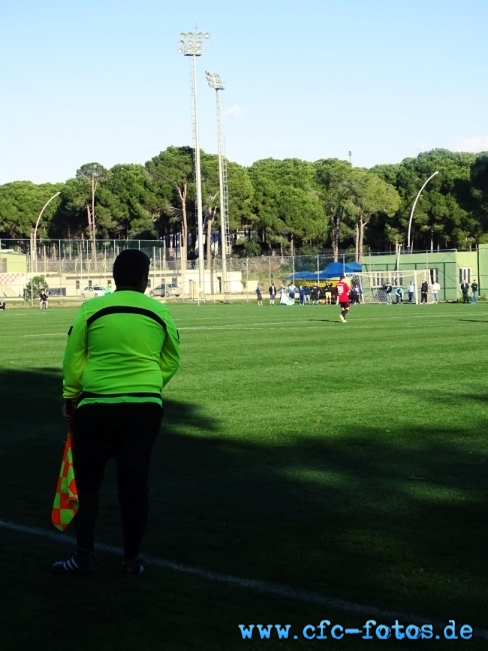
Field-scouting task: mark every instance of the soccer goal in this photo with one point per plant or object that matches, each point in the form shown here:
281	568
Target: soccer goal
373	285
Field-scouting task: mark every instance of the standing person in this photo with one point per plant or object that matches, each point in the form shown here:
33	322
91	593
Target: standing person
43	300
306	294
122	351
388	290
272	293
474	292
108	288
436	288
2	305
399	295
315	294
343	297
292	290
259	294
465	290
424	289
301	294
328	294
411	291
354	295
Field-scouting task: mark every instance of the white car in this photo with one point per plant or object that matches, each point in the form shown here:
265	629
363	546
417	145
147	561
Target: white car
169	289
92	290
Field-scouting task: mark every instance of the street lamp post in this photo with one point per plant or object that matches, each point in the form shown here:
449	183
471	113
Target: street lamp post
191	45
409	250
215	82
34	248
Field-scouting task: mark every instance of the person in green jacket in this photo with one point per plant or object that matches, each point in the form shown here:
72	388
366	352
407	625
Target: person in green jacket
122	350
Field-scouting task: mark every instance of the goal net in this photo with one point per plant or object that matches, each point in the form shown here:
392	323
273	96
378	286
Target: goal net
374	283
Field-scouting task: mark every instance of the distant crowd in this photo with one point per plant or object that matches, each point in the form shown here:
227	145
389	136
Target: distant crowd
314	295
435	288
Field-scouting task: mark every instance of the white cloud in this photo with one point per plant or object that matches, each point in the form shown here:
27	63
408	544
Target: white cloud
474	144
234	112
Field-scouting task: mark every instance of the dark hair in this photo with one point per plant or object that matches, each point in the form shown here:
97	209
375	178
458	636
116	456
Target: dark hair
130	267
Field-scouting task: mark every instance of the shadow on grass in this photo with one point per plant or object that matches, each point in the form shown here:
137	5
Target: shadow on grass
395	519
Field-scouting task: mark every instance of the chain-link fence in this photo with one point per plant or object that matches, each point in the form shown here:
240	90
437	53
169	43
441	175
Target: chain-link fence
71	266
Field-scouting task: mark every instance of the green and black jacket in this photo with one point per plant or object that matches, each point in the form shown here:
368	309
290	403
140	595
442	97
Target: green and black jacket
122	347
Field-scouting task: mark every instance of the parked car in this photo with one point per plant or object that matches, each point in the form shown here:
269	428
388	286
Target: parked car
92	290
166	289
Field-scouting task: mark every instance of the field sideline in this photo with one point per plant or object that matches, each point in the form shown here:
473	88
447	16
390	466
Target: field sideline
347	460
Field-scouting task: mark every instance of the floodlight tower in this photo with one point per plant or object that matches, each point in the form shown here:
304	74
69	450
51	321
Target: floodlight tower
191	45
215	82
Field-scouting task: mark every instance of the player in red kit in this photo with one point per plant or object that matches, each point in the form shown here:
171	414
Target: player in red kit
343	295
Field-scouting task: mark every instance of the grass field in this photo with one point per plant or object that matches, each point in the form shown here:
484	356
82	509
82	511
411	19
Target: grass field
345	461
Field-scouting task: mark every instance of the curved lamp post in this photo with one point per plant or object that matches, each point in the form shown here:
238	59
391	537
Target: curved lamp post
413	209
34	249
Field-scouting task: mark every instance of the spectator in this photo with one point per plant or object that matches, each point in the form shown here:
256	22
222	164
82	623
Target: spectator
2	305
314	294
424	289
399	295
259	294
474	292
411	292
272	293
465	290
436	288
328	293
43	300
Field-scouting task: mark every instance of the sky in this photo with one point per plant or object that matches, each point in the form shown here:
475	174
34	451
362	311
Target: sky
86	81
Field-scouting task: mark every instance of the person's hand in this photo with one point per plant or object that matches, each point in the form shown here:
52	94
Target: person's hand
68	410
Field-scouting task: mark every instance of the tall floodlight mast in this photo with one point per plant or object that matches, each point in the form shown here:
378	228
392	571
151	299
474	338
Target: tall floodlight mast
191	45
215	82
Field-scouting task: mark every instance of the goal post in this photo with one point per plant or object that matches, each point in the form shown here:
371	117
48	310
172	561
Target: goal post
373	285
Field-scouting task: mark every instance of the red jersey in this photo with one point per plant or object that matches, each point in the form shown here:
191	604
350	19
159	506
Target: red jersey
343	292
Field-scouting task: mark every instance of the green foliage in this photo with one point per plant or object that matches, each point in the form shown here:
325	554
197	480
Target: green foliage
287	203
34	288
248	248
21	203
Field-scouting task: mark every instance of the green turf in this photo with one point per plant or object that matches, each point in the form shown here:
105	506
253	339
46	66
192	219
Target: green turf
344	459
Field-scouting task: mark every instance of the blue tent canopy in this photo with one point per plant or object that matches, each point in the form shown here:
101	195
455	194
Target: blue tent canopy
333	270
336	269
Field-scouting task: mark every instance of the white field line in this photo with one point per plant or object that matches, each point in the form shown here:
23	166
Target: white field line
264	587
297	323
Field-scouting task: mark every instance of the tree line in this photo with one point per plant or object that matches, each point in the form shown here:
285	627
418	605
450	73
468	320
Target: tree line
291	205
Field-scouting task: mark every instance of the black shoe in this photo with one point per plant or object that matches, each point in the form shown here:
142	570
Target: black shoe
77	563
131	568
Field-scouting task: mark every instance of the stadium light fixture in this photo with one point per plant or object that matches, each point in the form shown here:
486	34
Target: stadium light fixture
214	81
409	250
190	44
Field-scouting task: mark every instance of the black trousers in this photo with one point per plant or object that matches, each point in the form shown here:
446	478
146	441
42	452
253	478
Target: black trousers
125	432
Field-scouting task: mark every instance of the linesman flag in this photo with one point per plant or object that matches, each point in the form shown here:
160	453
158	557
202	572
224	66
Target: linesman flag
65	504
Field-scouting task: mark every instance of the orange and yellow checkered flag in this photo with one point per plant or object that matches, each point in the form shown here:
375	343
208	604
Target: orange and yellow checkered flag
65	504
